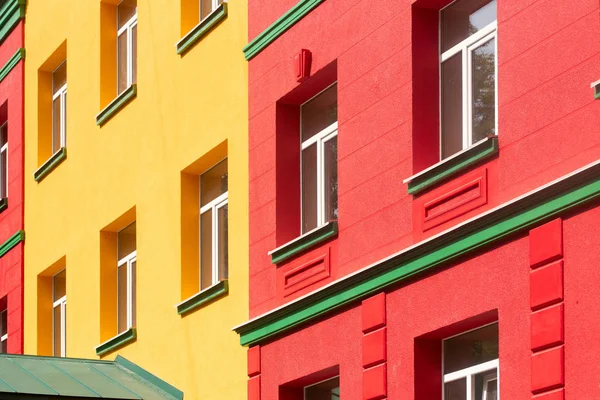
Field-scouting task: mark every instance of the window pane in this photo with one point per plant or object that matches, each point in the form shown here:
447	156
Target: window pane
455	390
318	113
122	298
3	323
56	125
223	242
484	90
133	292
3	173
491	389
328	390
213	183
206	250
57	332
59	77
122	62
126	241
4	347
471	348
134	54
60	284
126	10
452	124
309	188
463	18
3	134
205	8
331	180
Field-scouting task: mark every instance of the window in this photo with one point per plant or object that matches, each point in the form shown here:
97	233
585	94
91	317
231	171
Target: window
326	390
213	225
468	74
207	7
59	107
4	161
126	44
126	279
3	331
471	365
59	313
318	131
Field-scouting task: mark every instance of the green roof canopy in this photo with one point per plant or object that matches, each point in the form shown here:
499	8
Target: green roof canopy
35	377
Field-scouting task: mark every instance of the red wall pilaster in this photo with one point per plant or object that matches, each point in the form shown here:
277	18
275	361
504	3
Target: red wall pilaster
374	348
254	373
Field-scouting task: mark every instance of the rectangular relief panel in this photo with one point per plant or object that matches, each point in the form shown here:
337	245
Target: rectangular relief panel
298	277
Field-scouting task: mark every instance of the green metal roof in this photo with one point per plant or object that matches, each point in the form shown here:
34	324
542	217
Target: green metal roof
24	376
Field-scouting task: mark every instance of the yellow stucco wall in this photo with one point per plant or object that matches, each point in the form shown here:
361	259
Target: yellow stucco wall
185	107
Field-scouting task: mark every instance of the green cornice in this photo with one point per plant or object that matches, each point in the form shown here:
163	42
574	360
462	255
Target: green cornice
204	297
11	63
151	378
519	215
200	30
304	242
10	14
11	242
277	28
483	150
116	105
50	164
3	204
118	341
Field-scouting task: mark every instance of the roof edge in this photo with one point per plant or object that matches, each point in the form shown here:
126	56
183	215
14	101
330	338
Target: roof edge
152	379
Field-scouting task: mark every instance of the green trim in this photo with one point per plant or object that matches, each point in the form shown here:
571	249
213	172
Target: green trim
118	341
277	28
11	242
11	63
116	105
10	15
453	166
50	164
304	242
151	378
200	30
492	227
3	204
202	298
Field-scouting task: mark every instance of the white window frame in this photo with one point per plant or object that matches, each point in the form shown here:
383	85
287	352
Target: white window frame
62	303
320	139
128	261
4	338
470	372
127	27
214	3
466	47
214	206
317	383
62	93
4	149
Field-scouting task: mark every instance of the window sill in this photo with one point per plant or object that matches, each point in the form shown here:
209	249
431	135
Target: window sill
596	87
304	242
459	162
3	204
118	341
200	30
202	298
50	164
116	105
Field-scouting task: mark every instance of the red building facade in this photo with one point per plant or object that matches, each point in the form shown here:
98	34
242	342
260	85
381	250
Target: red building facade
12	55
424	185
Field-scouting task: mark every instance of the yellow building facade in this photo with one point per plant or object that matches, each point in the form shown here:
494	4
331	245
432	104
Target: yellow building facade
131	110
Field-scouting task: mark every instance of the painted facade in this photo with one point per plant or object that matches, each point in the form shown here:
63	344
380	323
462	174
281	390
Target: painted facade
500	233
128	105
12	59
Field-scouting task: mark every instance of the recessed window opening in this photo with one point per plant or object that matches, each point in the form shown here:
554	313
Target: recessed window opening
126	44
126	278
214	257
471	365
318	131
468	74
4	160
4	331
325	390
59	107
207	7
59	314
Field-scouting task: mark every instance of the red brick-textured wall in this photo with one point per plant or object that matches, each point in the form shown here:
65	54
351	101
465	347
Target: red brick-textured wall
11	219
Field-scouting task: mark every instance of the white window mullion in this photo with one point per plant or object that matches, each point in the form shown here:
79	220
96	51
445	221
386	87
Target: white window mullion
63	328
215	248
320	197
465	98
469	384
129	295
63	118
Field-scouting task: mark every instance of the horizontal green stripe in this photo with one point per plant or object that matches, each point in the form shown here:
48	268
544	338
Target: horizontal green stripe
515	217
11	63
118	341
10	14
116	105
200	30
305	242
277	28
11	242
204	297
50	164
